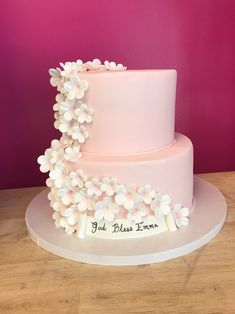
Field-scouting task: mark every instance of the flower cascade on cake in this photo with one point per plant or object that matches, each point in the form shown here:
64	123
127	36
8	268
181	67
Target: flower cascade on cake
75	197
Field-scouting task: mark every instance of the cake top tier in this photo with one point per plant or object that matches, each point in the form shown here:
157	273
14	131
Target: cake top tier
133	111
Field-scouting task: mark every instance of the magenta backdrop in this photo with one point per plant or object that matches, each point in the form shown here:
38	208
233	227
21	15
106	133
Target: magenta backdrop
196	37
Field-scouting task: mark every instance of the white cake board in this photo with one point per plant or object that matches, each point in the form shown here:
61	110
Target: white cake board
206	221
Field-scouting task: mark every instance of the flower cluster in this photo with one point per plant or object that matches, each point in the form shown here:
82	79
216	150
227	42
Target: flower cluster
66	79
71	113
72	195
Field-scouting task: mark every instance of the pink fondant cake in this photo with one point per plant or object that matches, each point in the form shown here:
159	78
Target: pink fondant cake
119	170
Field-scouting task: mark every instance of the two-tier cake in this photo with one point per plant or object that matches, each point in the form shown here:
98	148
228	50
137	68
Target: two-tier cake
118	170
121	189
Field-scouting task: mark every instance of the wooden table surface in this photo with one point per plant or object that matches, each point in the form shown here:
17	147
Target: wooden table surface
35	281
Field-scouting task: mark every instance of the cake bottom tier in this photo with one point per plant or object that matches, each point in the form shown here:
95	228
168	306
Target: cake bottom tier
153	193
168	171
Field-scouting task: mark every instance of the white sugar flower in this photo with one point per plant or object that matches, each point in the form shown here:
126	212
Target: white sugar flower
56	145
57	217
57	205
65	126
137	213
148	193
95	65
71	213
57	156
59	175
83	201
181	215
112	66
66	140
62	222
106	209
45	161
66	194
69	69
81	65
72	128
56	78
52	195
127	196
77	178
84	114
59	99
61	124
93	187
109	186
57	122
57	152
67	109
75	88
72	153
51	157
161	203
78	133
49	182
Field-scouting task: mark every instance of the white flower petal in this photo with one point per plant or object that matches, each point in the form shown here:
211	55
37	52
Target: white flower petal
82	206
72	220
184	221
66	200
184	212
141	189
56	216
147	200
108	216
178	207
99	215
63	222
99	205
90	192
128	204
107	201
68	116
109	191
68	212
119	199
166	199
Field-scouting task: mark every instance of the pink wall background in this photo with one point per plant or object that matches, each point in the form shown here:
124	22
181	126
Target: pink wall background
195	37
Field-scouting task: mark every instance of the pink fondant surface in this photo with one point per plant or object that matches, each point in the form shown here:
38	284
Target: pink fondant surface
134	111
169	171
